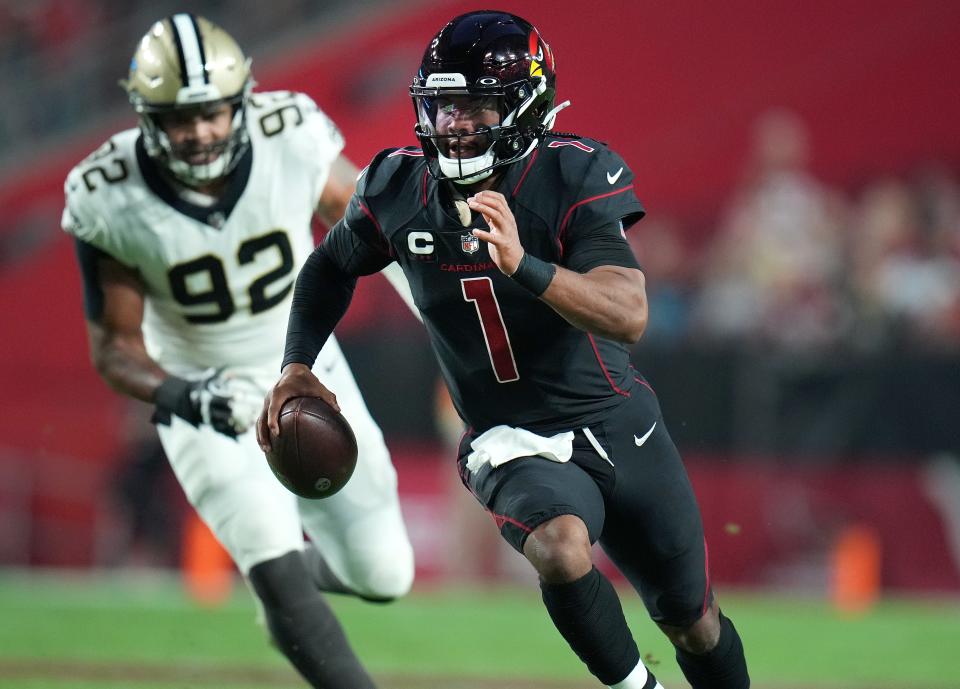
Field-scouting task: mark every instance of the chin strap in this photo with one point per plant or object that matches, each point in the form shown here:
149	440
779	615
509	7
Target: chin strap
447	164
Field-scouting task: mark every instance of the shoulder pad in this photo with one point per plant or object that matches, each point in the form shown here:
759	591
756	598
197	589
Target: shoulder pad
598	183
391	169
88	184
77	211
289	114
575	156
266	102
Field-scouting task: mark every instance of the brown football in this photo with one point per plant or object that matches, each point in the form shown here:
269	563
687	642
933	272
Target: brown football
316	451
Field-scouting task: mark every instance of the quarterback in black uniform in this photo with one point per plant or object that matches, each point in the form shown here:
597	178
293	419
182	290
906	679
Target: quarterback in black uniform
512	239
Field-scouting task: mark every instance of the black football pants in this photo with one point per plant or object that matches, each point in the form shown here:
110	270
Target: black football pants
637	502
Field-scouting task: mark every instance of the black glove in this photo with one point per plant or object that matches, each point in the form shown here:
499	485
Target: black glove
209	400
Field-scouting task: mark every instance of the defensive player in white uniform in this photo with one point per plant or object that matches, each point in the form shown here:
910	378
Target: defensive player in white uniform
190	231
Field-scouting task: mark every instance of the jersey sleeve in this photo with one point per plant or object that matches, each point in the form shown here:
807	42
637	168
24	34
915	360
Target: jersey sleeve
84	219
383	200
356	245
604	245
360	217
309	140
351	252
94	240
324	142
592	231
88	259
606	196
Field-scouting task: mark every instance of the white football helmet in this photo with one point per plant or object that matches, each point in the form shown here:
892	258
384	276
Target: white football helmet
185	62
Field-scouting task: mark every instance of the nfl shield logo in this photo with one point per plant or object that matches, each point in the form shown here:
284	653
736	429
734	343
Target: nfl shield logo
469	244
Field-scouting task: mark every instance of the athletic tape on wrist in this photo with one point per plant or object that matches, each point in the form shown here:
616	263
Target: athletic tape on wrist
534	274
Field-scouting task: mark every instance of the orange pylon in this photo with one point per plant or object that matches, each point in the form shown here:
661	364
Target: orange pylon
855	568
207	567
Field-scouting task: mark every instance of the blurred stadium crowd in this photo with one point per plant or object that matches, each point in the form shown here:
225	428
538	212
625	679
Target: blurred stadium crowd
46	56
794	264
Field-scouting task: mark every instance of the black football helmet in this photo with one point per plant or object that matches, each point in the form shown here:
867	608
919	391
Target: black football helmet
492	60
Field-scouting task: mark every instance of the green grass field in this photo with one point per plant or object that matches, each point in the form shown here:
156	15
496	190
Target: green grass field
128	631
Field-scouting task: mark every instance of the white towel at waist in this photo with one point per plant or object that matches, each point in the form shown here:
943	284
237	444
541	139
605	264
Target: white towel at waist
500	444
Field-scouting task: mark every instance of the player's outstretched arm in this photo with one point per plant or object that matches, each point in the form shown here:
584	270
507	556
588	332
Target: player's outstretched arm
320	298
334	200
340	185
114	317
114	299
609	301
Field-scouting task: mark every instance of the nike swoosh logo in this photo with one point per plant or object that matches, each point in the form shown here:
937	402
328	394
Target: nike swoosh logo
614	177
641	440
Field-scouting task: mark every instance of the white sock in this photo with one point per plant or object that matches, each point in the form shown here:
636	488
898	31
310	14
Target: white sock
635	680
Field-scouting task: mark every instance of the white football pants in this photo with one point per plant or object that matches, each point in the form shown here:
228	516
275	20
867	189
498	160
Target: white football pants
359	530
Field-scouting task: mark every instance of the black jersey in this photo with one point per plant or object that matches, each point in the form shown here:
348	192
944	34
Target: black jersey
506	356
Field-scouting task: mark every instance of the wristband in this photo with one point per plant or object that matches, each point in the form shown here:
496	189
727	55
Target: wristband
534	274
172	396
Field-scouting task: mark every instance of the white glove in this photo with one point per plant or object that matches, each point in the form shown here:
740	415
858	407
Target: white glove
228	402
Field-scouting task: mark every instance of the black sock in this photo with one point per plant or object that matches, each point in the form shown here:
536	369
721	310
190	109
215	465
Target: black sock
304	627
724	667
587	613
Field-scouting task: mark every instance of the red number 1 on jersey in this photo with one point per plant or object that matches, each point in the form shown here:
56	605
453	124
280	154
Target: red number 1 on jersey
480	292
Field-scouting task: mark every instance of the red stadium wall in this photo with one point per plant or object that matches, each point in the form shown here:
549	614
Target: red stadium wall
673	86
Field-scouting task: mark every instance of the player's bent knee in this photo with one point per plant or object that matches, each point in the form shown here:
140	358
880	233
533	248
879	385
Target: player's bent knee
559	549
698	638
383	576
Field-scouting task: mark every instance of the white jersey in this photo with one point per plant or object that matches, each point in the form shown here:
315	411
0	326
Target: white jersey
218	282
218	279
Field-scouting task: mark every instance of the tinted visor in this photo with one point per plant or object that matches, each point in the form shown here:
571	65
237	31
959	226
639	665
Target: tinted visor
462	125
